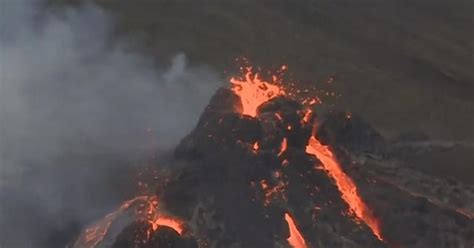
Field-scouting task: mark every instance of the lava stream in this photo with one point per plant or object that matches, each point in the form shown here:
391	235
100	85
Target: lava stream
295	240
283	147
345	185
94	234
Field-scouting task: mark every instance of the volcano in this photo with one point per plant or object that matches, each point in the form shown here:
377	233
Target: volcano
265	168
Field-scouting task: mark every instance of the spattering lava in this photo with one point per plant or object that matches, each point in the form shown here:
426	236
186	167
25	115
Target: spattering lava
253	91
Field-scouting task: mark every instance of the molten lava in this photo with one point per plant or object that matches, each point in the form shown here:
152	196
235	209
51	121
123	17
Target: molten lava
307	116
345	185
255	147
295	240
93	235
283	147
173	223
272	192
253	91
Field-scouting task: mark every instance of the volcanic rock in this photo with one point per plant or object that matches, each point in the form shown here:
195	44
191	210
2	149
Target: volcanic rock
235	179
224	190
138	235
349	131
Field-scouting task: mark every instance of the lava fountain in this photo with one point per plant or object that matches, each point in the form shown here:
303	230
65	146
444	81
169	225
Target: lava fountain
253	91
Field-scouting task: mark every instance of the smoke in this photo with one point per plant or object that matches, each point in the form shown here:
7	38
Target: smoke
68	95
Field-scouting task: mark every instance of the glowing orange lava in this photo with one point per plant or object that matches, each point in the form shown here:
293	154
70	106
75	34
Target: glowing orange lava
283	147
295	240
94	234
345	185
255	146
173	223
253	91
307	116
271	192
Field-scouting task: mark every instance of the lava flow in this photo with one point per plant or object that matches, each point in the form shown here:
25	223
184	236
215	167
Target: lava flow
283	147
345	185
295	240
94	234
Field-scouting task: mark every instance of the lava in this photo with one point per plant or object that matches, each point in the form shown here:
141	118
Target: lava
255	146
271	192
173	223
307	116
295	240
94	234
278	116
253	91
345	185
283	147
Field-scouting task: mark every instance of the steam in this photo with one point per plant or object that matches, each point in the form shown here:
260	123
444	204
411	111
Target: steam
67	91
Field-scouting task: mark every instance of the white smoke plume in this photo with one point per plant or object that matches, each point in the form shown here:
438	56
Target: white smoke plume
68	91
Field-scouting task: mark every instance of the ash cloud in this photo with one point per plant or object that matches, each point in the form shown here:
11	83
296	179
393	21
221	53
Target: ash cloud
68	93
